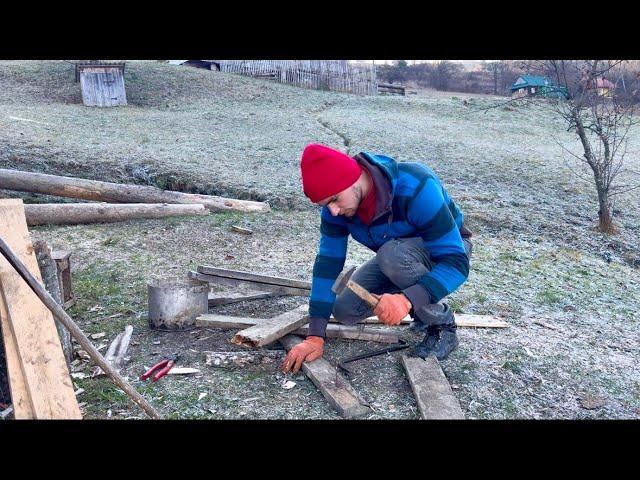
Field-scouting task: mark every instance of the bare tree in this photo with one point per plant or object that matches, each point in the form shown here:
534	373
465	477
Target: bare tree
600	117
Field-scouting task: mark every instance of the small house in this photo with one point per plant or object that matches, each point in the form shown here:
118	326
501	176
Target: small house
602	86
532	86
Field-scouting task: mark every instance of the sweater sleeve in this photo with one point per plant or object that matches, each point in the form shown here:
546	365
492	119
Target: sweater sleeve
431	215
329	262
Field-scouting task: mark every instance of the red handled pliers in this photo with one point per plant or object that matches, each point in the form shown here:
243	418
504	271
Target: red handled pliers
162	368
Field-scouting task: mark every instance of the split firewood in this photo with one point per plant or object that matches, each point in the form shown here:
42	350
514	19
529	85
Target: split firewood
242	359
117	350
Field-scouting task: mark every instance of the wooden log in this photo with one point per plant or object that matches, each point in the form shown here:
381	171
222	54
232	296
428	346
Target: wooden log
242	359
253	277
225	298
273	329
116	192
431	388
332	384
50	276
333	330
234	282
40	357
76	213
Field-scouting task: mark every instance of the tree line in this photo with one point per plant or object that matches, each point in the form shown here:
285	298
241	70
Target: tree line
493	78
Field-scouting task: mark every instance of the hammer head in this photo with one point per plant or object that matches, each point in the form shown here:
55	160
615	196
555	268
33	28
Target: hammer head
341	282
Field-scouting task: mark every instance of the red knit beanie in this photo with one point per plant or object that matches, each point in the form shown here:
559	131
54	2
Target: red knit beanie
326	171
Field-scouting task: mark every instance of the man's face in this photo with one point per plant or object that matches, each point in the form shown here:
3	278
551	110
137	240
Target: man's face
344	203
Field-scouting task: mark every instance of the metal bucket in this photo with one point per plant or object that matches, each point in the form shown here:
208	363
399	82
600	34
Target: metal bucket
174	303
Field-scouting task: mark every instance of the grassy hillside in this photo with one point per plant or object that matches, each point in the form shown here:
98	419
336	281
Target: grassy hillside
537	256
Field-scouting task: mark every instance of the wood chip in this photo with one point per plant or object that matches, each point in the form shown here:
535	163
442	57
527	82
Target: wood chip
79	375
288	385
238	229
202	395
79	391
96	336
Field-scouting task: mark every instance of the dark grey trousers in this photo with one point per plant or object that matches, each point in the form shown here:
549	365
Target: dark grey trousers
398	264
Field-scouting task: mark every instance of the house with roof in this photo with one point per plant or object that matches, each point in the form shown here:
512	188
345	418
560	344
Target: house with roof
602	86
533	85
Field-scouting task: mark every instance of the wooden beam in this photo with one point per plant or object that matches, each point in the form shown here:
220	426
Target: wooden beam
335	388
81	213
31	323
273	329
333	330
431	388
116	192
234	282
225	298
253	277
463	320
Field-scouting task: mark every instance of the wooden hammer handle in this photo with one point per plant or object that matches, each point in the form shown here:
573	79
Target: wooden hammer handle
362	293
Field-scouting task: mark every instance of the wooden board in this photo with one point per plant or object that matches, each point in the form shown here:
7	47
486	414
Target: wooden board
102	87
234	282
333	330
463	320
253	277
23	409
333	385
225	298
31	323
273	329
431	388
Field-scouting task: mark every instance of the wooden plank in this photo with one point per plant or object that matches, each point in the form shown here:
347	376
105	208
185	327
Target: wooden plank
463	320
234	282
273	329
431	388
38	346
23	408
225	298
240	275
333	330
333	386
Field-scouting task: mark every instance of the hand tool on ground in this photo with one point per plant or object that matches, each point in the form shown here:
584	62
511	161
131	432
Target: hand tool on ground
344	281
161	368
74	330
401	345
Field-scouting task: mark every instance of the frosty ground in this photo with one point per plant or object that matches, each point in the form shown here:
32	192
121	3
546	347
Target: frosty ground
569	293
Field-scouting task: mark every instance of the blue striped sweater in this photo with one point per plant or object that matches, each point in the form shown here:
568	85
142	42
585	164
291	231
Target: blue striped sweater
412	202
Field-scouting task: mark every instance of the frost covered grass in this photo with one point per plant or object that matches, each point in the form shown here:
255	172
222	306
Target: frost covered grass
570	294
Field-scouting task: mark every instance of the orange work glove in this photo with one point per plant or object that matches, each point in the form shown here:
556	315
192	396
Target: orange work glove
392	308
309	350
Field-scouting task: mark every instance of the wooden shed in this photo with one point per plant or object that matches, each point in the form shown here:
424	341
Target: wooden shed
101	83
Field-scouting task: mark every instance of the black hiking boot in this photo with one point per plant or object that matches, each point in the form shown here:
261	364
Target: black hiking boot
447	342
427	346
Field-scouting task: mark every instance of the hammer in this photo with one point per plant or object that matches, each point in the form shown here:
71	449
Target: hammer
344	281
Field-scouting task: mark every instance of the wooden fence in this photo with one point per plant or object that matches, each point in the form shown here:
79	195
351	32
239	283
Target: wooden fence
335	75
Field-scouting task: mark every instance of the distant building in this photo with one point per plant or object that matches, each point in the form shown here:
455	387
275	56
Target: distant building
602	86
536	86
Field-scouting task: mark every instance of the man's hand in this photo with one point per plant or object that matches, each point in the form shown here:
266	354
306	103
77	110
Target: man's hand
392	308
309	350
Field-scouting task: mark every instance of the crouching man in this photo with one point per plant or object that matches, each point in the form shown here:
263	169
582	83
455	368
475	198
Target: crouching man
401	211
